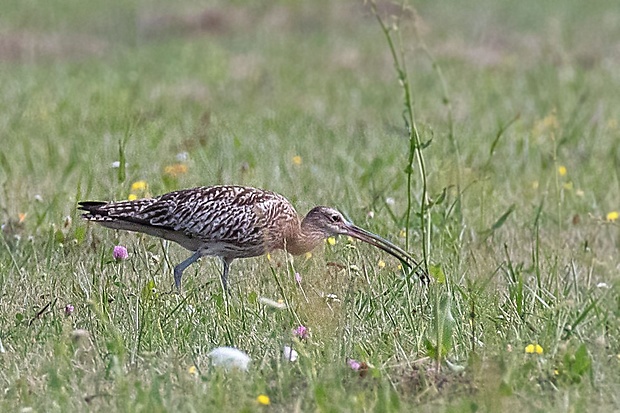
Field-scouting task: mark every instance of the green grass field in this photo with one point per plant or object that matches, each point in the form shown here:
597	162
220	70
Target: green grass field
522	160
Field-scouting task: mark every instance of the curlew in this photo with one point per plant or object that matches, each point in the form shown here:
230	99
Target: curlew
232	222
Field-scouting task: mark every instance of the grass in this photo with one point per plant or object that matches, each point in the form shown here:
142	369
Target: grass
519	242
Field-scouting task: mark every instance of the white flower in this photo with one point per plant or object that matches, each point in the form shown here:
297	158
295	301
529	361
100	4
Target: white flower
332	297
455	367
229	358
289	354
182	156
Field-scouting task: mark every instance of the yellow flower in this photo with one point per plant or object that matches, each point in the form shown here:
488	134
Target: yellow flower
268	257
331	241
192	370
381	264
402	233
350	238
176	169
138	186
548	124
308	255
612	216
533	348
296	160
263	399
562	170
132	197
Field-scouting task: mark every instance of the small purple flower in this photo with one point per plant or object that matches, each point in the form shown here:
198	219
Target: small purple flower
120	253
298	278
69	309
354	364
301	332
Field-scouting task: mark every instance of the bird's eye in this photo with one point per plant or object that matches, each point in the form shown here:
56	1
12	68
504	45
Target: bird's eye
335	218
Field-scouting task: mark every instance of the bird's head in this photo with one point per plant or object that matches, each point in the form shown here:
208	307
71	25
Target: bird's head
325	222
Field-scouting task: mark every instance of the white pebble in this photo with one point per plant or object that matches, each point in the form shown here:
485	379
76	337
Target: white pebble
229	358
289	354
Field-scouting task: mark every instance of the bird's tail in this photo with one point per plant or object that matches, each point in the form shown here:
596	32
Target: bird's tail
93	210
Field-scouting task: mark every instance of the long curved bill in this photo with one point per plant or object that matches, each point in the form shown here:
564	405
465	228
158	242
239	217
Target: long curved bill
376	241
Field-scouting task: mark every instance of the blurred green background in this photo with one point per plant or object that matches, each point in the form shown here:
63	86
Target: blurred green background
302	98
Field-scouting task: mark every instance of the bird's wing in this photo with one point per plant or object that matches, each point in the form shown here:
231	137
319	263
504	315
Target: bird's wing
218	213
221	214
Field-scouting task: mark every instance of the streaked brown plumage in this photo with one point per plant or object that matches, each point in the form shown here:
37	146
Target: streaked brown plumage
231	222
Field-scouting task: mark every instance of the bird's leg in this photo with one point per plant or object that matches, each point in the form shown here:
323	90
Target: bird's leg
178	270
226	262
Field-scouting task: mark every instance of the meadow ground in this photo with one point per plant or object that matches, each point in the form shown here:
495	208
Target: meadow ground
522	165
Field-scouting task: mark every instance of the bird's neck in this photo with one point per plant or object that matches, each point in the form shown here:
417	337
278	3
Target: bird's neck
302	239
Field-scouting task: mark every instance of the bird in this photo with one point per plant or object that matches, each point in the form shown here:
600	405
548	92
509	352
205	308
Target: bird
232	221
